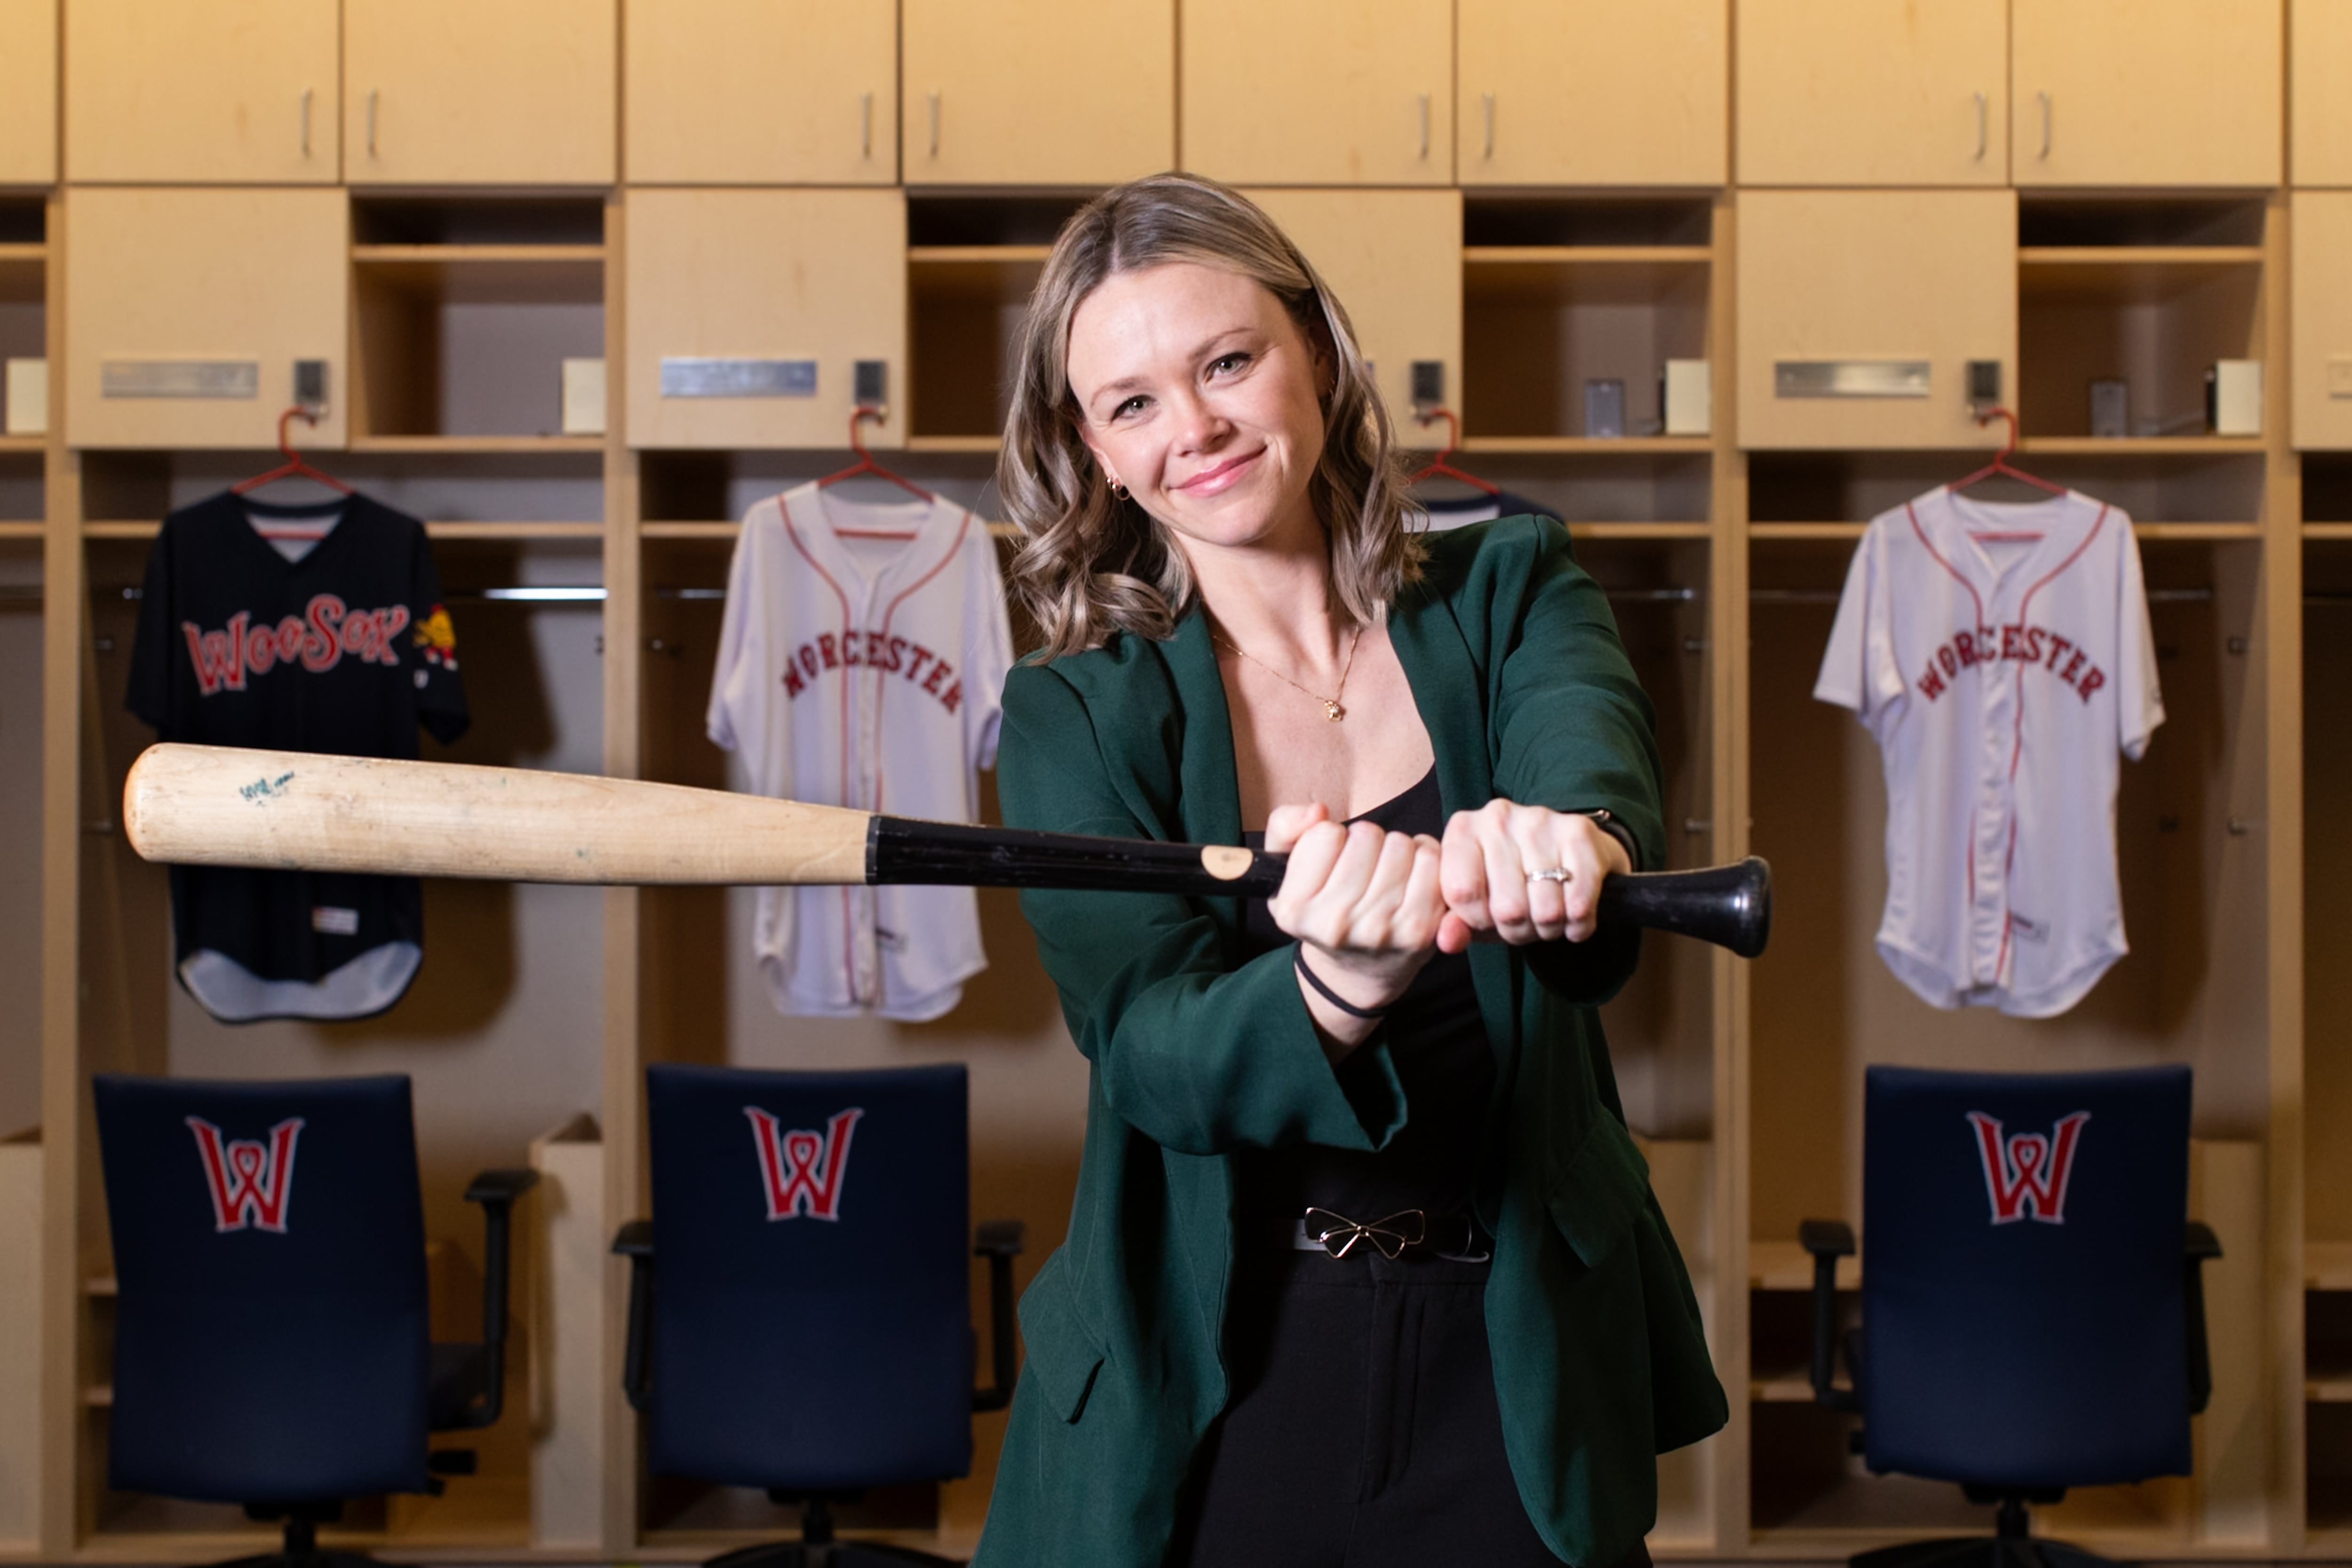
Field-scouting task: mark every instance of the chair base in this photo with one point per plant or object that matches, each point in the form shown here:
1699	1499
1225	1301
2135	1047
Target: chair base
828	1555
1980	1551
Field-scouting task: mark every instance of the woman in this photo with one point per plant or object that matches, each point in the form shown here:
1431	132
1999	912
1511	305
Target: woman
1363	1266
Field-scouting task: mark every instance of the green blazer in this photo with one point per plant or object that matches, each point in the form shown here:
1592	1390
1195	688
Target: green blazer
1600	1360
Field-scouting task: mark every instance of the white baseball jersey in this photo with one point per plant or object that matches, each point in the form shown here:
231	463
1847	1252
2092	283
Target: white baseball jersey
2000	656
862	664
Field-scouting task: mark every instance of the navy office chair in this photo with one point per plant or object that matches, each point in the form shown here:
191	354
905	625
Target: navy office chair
805	1325
2030	1318
270	1342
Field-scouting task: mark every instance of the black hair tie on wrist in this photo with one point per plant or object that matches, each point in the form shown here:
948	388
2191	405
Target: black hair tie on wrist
1299	961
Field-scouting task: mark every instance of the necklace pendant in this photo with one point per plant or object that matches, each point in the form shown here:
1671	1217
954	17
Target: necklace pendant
1333	711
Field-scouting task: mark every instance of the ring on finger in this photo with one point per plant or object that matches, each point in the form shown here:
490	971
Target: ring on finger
1559	873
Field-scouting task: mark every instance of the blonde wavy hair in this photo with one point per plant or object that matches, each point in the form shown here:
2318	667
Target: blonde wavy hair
1092	564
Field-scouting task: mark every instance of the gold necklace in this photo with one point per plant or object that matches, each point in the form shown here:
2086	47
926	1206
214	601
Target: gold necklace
1332	709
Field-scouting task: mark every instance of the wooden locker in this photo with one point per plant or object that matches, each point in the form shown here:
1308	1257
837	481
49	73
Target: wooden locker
1394	259
2321	315
797	93
1320	92
1037	93
1591	92
29	92
158	276
814	276
2146	92
1860	93
2321	67
455	92
1874	277
228	93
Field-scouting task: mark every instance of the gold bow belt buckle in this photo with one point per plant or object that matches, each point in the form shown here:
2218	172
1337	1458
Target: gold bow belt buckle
1338	1235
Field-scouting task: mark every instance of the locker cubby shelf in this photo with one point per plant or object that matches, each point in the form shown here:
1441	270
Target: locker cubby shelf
1539	321
2149	294
463	311
963	306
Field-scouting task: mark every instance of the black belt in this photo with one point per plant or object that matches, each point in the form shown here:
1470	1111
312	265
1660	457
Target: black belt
1409	1233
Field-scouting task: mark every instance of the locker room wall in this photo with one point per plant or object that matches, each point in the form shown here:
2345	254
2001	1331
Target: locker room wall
483	194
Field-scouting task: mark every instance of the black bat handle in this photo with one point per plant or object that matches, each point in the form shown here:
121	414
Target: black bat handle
1730	905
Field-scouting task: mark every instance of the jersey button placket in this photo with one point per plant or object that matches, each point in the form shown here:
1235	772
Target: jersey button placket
1998	698
865	695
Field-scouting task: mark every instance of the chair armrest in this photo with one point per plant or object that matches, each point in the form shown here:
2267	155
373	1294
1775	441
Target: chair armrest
1826	1237
2197	1244
1000	1242
497	1191
1828	1241
635	1241
500	1186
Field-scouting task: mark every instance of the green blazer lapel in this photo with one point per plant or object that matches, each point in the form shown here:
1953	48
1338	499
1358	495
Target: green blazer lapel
1438	665
1210	794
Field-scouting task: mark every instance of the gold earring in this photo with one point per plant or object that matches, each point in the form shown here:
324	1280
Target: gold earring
1118	489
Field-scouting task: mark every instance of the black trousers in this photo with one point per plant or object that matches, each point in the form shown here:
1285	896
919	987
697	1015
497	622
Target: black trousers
1363	1430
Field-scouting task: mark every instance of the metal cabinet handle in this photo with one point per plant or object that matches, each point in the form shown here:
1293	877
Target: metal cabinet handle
1984	129
1424	125
372	95
935	124
2044	96
866	130
1487	99
306	122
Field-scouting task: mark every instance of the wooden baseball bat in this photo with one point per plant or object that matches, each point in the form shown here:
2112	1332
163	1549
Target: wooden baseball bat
288	811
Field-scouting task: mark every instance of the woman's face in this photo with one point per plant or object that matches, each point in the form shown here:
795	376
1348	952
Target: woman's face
1198	392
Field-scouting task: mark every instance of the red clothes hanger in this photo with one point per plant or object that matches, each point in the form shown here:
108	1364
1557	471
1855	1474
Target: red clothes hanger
293	467
1438	467
2000	464
866	465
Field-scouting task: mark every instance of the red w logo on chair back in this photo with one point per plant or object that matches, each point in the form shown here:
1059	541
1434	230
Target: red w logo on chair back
250	1183
2026	1175
803	1169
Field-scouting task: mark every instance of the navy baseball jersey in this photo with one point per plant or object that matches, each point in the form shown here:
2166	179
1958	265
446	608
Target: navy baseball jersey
303	628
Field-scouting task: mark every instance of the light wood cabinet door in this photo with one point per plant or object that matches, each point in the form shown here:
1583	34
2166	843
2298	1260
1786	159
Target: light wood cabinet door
1591	92
705	115
172	292
1862	92
2320	145
2146	92
457	92
2322	317
1040	92
227	92
1394	260
815	278
1320	92
1876	279
29	92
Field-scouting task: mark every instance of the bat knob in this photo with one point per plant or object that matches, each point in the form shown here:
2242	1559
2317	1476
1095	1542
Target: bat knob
1730	905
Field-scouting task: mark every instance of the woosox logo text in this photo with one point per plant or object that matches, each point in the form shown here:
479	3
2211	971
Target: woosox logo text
317	640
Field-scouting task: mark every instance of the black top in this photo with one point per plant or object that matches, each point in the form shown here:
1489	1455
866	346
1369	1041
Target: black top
1444	1062
346	651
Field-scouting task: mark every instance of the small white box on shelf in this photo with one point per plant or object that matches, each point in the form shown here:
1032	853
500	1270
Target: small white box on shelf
2233	393
26	397
584	397
1688	399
